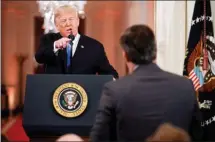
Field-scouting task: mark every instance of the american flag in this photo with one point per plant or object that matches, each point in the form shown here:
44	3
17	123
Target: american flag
201	39
195	80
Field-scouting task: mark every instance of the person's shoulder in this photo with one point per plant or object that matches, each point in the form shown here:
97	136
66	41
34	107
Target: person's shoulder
178	77
90	39
120	85
180	80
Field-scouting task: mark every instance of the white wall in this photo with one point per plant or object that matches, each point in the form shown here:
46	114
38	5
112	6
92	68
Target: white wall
170	32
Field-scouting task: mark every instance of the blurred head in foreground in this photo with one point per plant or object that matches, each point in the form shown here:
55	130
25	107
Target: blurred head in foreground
168	132
70	137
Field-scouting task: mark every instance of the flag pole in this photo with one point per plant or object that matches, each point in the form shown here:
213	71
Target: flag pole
205	53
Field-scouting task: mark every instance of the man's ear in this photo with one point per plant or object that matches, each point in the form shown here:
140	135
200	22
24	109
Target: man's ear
56	23
78	21
125	55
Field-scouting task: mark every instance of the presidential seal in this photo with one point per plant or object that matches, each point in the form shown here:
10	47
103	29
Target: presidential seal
70	100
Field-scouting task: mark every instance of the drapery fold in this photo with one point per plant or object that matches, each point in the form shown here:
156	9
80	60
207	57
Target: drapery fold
171	35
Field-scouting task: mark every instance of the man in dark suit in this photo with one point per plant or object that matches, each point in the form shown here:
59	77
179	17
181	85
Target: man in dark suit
69	52
132	107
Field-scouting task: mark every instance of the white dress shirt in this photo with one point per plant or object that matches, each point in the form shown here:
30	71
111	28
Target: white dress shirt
135	67
74	46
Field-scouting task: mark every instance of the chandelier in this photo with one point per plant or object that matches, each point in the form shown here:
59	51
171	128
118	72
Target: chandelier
46	8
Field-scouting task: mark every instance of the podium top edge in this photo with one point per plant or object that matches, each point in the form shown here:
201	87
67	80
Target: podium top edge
84	75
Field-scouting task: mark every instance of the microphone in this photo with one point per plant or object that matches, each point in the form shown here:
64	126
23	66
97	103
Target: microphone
72	37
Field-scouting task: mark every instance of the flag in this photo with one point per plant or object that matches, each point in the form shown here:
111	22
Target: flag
199	63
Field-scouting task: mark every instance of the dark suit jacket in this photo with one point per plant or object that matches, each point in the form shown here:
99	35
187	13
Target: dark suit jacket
88	60
131	108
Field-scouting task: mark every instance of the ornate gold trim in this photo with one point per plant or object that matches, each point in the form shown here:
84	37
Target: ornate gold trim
83	101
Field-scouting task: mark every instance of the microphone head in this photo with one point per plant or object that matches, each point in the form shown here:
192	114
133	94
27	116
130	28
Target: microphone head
72	37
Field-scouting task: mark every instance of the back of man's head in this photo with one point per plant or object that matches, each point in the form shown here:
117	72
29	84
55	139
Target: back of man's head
139	44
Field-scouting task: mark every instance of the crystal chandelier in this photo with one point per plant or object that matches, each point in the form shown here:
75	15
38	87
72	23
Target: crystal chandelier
46	8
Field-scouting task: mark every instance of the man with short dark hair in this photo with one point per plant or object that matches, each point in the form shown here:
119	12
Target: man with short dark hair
132	107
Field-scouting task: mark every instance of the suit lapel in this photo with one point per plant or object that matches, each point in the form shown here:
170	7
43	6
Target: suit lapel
79	48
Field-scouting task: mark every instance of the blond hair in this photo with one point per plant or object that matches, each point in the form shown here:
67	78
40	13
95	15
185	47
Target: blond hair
67	8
